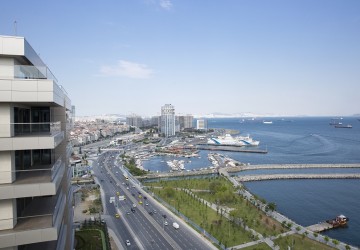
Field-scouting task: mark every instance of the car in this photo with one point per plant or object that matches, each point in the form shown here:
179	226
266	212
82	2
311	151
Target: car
164	215
127	188
128	242
146	204
127	212
133	194
145	198
132	209
133	186
151	213
134	205
118	193
117	216
166	223
140	202
139	192
154	211
123	183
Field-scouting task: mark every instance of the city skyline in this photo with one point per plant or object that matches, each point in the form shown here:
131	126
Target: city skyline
283	58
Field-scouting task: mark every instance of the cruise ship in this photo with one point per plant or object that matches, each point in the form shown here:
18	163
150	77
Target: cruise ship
228	140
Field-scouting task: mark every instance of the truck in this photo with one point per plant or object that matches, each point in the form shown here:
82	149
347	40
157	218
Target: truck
175	225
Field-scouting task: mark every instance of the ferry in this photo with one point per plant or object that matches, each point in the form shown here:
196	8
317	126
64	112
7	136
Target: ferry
228	140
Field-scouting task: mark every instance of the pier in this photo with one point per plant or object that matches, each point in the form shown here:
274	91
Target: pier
320	227
297	166
295	176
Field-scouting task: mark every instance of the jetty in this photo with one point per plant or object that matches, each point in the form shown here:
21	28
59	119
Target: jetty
264	177
320	227
298	166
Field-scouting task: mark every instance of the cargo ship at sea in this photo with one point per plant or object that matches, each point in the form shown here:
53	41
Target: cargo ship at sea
228	140
343	126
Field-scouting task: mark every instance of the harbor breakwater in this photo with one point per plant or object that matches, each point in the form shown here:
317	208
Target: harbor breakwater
295	176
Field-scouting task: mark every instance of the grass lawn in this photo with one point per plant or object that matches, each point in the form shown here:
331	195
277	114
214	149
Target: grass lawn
297	242
218	226
191	183
253	217
88	239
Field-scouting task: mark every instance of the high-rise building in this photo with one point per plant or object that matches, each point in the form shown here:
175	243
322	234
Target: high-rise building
134	120
168	120
35	120
186	121
201	124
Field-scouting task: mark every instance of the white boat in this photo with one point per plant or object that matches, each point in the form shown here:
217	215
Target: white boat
228	140
267	122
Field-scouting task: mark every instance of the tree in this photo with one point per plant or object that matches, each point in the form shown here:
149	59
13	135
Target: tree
326	239
271	206
336	242
347	247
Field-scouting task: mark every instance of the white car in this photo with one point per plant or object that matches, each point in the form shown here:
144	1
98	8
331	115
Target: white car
166	223
134	205
128	242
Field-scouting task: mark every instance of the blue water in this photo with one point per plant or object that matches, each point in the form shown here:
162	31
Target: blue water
298	140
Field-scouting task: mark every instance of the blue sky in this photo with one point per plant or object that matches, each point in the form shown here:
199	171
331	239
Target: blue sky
231	56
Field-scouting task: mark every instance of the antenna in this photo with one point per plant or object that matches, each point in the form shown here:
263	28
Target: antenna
15	28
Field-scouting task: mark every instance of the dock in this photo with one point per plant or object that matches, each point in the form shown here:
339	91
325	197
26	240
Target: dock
265	177
320	227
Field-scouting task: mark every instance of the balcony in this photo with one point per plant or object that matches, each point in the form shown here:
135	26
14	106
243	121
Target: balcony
23	136
40	180
41	222
69	150
32	72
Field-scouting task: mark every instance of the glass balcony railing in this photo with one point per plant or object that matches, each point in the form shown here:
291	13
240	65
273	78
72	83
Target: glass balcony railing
40	128
36	173
32	72
40	214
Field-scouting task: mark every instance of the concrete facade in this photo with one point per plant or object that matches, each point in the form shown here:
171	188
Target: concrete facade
168	120
35	118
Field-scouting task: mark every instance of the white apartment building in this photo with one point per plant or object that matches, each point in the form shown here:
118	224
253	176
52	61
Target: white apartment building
35	119
201	124
168	120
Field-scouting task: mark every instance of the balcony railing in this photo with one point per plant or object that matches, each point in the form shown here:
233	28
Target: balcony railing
41	128
51	211
32	72
37	173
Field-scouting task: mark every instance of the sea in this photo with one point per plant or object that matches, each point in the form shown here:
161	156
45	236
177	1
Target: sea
298	140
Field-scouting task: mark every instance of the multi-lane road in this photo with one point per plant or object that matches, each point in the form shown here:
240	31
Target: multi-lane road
149	225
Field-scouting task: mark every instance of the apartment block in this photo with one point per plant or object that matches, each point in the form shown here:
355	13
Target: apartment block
35	119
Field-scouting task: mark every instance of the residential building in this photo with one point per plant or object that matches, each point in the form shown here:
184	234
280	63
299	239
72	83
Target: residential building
201	124
35	113
168	120
134	120
186	121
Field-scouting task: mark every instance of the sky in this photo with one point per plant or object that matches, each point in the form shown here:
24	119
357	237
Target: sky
280	57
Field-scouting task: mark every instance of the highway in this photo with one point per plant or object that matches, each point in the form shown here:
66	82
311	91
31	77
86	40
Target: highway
145	228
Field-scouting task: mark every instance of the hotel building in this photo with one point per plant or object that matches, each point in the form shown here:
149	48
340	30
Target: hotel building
35	119
168	120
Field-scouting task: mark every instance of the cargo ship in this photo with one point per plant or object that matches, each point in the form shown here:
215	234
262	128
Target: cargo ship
339	221
343	126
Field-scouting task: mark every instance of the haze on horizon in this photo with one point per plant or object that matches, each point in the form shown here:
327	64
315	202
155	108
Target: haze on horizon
263	57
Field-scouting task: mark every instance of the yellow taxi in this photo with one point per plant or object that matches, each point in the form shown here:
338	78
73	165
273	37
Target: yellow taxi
117	216
118	193
140	202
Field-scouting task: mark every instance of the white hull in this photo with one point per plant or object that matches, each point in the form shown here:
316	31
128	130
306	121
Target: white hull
228	140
